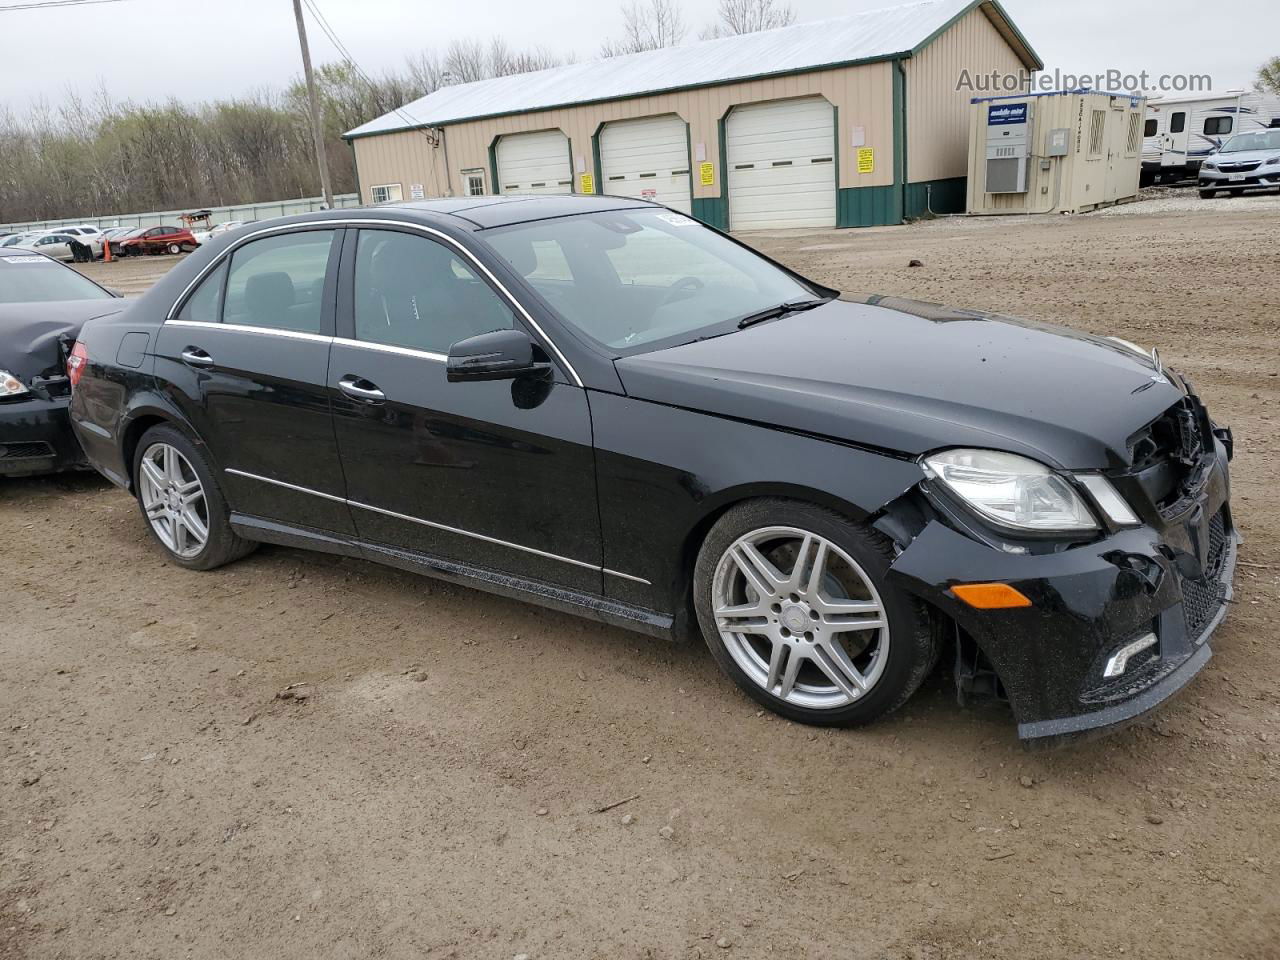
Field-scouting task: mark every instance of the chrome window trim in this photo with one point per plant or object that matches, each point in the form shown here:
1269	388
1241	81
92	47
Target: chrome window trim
437	526
245	328
392	348
373	223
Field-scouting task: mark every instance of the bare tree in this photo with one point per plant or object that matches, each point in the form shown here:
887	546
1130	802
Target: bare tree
748	16
1268	77
647	26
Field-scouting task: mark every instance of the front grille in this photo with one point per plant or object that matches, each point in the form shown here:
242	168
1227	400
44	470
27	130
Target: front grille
1170	455
26	450
1202	598
1239	167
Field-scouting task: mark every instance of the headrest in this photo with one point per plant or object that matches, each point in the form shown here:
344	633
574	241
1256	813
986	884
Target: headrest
267	296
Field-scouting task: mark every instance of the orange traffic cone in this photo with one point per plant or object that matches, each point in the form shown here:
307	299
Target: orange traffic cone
106	251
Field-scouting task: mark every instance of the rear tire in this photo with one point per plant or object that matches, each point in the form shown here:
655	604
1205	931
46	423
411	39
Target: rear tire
182	503
826	577
175	248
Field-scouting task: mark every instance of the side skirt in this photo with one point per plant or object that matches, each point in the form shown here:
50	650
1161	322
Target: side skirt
639	619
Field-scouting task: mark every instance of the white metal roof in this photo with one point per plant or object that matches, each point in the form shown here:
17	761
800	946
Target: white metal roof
802	46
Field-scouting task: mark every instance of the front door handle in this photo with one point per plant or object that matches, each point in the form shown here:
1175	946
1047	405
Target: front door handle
357	388
195	357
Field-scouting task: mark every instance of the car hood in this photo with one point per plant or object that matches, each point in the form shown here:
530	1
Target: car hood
30	333
911	377
1243	156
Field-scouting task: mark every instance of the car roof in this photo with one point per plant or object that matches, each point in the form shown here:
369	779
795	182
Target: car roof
501	211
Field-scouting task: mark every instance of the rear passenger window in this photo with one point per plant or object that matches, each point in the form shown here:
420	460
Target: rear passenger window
416	293
278	282
205	305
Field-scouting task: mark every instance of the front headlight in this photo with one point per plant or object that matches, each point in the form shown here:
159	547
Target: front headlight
1272	162
10	386
1011	491
1209	165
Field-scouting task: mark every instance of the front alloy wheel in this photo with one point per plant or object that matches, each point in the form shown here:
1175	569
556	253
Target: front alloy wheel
800	617
173	500
796	606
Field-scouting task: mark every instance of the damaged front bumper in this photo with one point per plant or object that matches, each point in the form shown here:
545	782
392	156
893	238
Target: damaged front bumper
36	437
1115	628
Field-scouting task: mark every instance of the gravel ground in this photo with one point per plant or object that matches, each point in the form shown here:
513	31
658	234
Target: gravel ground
430	793
1186	199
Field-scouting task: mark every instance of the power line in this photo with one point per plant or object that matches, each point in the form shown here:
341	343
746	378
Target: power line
432	137
42	4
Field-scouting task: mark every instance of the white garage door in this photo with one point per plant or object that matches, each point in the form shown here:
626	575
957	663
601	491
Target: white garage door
648	159
534	163
781	164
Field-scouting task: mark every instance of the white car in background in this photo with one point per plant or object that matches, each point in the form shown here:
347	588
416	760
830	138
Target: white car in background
217	230
57	244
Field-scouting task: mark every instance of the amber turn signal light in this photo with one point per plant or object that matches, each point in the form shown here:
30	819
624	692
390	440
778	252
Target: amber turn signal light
990	596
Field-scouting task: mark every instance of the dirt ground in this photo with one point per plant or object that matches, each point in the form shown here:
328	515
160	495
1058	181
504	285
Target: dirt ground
433	797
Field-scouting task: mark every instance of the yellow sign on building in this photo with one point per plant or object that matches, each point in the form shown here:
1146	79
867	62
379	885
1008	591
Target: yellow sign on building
707	173
586	183
866	160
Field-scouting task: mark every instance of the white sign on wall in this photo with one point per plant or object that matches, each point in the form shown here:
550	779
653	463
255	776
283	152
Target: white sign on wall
416	192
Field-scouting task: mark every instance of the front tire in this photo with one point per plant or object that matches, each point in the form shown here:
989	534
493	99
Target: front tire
1208	194
795	605
182	503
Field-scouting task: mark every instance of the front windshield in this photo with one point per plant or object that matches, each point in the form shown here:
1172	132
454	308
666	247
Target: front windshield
1262	140
36	279
644	278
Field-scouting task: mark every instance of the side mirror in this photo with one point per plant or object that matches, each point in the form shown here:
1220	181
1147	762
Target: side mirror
500	355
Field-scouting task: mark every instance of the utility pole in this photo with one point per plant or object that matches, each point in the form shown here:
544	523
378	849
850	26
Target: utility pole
316	132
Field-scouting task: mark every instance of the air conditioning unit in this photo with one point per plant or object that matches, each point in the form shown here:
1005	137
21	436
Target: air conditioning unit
1008	145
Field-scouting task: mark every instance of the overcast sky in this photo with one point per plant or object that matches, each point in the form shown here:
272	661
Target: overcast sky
152	49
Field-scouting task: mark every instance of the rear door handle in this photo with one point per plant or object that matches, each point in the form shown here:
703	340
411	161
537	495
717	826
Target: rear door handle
360	389
195	357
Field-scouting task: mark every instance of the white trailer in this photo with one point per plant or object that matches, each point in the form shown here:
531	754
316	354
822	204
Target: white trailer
1180	132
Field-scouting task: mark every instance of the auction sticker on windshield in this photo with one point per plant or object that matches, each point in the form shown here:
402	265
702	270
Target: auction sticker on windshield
677	219
30	259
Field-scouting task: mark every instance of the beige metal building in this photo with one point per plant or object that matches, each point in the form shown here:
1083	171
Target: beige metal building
856	121
1062	152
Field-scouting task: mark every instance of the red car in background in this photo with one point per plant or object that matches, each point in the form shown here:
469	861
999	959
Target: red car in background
156	240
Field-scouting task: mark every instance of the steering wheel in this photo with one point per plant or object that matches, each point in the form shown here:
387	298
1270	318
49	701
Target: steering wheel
684	284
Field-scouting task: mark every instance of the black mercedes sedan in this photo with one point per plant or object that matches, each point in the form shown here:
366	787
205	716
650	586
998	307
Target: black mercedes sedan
43	304
605	407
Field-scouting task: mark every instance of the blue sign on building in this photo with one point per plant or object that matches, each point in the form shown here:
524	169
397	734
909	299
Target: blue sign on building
999	114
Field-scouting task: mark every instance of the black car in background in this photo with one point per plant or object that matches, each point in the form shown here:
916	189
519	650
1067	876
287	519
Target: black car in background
42	307
606	407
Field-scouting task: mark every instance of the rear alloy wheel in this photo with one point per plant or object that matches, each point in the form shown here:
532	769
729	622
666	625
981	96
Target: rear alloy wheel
182	503
793	603
175	248
173	501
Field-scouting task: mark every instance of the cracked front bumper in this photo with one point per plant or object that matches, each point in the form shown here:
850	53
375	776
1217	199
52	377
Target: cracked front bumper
1088	603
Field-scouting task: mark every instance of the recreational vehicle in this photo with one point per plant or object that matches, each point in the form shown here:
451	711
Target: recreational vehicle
1180	133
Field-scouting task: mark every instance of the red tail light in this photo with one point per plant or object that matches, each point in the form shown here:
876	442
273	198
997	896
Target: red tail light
76	362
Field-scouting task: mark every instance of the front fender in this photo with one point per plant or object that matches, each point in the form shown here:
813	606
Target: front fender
665	473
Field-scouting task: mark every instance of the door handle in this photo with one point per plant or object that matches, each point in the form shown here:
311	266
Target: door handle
360	389
195	357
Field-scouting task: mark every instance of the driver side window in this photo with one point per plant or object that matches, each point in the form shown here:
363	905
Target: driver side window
413	292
